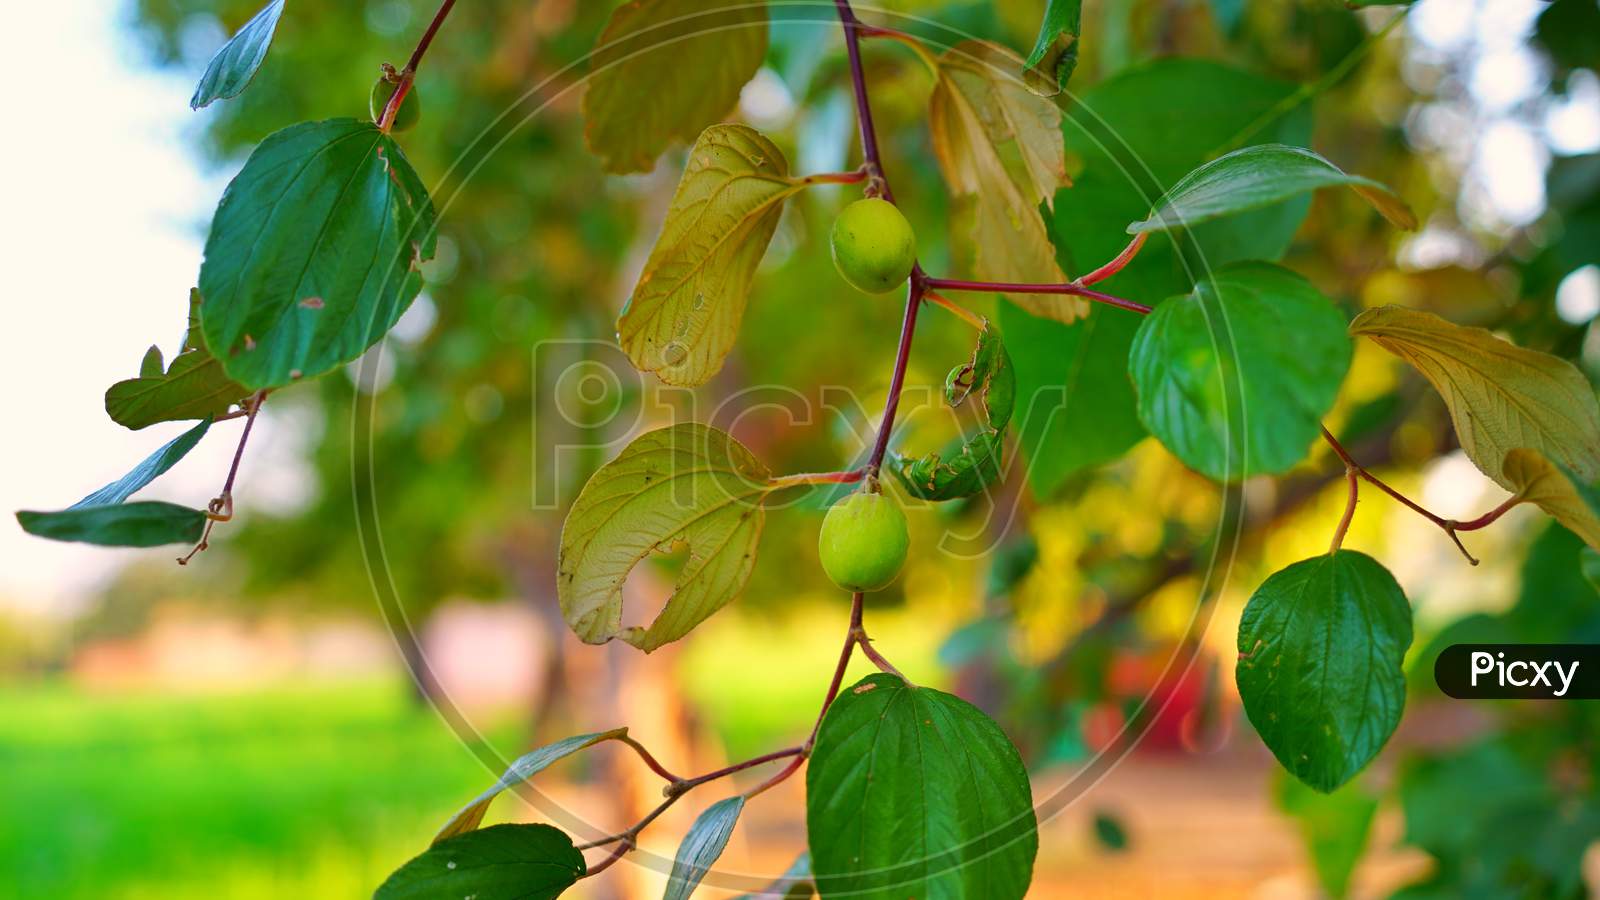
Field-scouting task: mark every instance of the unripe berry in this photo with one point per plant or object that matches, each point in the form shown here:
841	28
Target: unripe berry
873	245
410	108
864	541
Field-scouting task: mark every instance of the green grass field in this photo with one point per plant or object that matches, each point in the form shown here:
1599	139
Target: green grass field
305	792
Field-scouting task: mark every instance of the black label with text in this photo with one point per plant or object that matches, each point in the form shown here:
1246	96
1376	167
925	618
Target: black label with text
1519	671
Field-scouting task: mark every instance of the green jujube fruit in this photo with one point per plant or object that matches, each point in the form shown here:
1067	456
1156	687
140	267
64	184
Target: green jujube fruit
864	541
410	108
874	247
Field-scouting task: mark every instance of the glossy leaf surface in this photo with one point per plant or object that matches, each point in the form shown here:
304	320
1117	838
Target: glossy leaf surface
1235	378
313	252
912	792
1321	644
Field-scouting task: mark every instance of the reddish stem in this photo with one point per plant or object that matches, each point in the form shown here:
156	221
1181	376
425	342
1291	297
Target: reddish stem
853	27
1119	263
611	859
409	73
878	660
856	606
852	637
855	177
650	760
1448	526
683	786
244	438
808	478
1489	517
897	379
1001	287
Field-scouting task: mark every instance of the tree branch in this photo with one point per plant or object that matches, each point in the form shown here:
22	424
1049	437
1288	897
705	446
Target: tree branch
409	73
220	509
1072	288
1448	526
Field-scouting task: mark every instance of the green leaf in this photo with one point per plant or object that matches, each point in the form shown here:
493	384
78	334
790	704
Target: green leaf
1055	52
152	363
663	70
989	374
684	314
1334	827
105	518
688	484
313	252
794	884
1235	378
911	792
1254	177
148	523
1135	133
1320	644
968	466
961	469
1501	397
502	862
701	847
231	69
154	466
524	767
193	387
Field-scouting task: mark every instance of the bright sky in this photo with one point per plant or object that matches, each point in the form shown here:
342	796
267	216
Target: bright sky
102	242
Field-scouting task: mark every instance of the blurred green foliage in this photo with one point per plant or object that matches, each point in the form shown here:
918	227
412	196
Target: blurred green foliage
129	795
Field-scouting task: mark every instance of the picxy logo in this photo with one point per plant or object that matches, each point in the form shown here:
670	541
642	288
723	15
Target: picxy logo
1484	663
1519	671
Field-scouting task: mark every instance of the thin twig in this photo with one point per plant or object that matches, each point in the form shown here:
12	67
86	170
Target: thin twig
692	783
1000	287
966	315
1117	264
811	478
877	658
1450	527
1349	508
855	177
649	759
409	73
220	509
875	31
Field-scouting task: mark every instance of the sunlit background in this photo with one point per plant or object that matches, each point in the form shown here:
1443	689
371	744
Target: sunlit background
247	727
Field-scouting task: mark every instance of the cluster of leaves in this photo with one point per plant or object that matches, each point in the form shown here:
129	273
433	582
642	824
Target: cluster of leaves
312	257
314	254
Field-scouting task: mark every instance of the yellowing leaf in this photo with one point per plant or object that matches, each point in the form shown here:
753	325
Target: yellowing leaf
999	146
687	484
1557	491
684	314
1501	396
665	69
